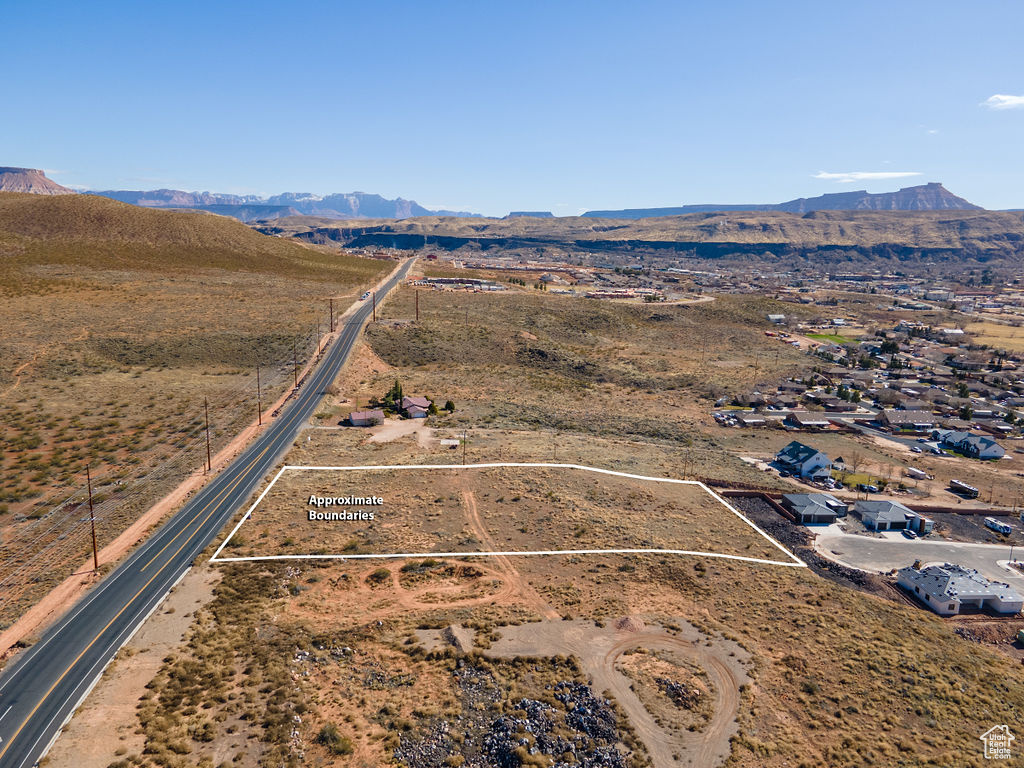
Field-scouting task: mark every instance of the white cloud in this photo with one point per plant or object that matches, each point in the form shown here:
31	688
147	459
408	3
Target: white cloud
845	178
1003	101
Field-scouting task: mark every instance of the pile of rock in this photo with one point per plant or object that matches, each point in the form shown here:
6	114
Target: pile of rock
585	735
681	695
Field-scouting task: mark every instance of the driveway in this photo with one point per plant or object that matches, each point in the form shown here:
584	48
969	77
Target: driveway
894	551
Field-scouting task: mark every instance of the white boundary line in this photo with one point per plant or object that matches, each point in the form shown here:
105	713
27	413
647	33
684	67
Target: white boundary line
794	560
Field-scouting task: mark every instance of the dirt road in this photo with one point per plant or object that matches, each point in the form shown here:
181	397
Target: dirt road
510	573
599	648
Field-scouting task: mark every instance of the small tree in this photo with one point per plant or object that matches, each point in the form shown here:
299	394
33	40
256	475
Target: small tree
394	395
449	406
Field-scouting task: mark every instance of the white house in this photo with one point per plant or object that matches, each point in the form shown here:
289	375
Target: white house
981	447
948	588
974	446
803	460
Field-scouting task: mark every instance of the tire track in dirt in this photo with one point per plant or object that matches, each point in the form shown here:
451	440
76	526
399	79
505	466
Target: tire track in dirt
409	599
706	747
519	584
598	650
16	375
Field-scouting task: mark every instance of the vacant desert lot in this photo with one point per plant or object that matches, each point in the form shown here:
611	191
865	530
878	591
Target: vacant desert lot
507	509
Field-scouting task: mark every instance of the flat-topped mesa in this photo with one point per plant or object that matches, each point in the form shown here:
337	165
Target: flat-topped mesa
30	181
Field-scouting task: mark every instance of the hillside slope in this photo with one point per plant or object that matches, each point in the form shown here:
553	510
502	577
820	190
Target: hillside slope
90	231
120	325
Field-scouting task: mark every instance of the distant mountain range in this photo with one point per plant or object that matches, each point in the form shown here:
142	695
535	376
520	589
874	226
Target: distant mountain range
30	181
353	205
926	197
362	205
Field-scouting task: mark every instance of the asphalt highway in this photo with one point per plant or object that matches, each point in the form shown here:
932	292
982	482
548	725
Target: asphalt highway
41	689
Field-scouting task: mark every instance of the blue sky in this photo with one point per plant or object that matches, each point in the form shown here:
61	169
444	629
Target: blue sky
560	105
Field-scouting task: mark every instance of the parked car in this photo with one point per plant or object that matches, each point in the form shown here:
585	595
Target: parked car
909	533
916	449
365	296
867	488
936	451
922	439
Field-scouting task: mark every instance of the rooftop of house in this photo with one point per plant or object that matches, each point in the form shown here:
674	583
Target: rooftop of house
908	417
955	581
806	417
796	453
883	511
419	402
376	413
826	500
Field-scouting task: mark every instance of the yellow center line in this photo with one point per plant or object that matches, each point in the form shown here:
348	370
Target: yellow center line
110	623
135	597
216	500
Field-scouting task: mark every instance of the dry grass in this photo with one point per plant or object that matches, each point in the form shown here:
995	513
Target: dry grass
118	322
997	335
519	509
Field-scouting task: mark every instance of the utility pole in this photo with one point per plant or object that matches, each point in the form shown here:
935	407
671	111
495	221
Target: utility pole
318	338
259	398
375	306
295	364
417	306
206	407
92	522
332	314
463	446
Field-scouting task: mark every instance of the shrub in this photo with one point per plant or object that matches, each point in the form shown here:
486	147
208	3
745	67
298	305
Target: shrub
331	738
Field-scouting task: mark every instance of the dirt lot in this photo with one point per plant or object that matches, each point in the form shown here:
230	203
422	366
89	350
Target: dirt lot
503	509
